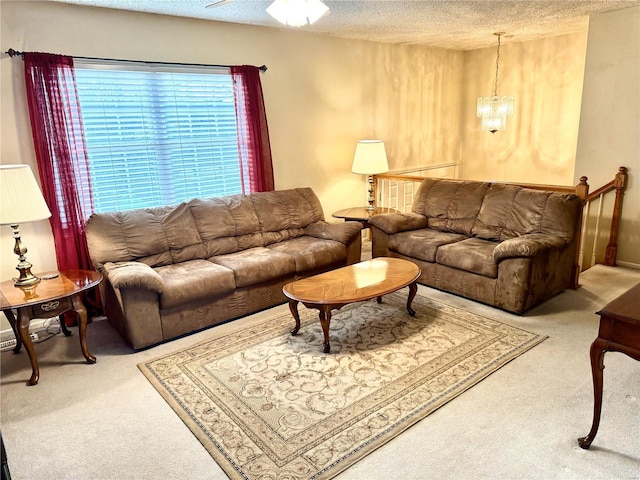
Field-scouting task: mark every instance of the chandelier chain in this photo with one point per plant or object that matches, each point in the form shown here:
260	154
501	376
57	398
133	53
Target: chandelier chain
495	88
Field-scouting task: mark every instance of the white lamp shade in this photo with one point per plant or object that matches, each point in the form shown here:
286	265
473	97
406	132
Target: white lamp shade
370	158
21	200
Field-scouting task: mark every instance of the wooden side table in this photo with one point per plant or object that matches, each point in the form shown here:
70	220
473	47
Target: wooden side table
619	332
56	293
361	214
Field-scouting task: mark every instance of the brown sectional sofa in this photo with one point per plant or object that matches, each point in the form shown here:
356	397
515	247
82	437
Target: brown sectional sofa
500	244
173	270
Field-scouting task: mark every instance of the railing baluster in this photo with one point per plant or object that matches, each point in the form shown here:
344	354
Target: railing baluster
583	235
595	237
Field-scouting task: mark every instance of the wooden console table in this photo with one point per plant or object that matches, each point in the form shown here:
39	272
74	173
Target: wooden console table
619	332
56	293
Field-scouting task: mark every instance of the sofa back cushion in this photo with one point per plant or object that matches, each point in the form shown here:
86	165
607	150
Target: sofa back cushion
147	235
201	228
509	211
283	214
450	205
226	224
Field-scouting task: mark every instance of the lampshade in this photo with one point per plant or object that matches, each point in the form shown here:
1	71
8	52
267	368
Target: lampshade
21	200
370	158
297	12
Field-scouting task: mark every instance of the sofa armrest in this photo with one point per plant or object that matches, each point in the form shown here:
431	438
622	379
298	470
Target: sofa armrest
527	246
391	223
340	232
133	275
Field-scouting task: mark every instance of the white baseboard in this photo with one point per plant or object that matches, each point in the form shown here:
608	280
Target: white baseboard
628	264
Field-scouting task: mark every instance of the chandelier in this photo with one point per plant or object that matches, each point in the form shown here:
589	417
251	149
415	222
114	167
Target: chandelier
297	12
494	110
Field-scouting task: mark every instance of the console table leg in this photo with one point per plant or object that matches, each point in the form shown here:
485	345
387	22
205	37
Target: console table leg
413	289
23	333
78	306
597	351
63	326
293	307
12	321
325	321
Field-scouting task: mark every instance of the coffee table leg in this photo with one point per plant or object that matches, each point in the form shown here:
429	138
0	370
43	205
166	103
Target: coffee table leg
413	289
325	321
293	307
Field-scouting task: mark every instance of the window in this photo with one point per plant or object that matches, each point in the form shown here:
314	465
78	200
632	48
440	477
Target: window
158	135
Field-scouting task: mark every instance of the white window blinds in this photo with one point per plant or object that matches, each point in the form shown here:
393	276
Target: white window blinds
158	135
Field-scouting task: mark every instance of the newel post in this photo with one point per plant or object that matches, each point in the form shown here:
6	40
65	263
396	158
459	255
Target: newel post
620	184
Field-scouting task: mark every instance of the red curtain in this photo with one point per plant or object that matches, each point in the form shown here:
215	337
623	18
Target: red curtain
253	133
58	138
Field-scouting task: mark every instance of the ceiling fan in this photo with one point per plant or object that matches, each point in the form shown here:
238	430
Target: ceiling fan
219	3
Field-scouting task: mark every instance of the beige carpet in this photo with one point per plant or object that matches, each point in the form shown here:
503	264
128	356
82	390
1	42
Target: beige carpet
266	404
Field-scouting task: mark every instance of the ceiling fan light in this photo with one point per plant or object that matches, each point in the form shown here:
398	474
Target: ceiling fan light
297	13
315	10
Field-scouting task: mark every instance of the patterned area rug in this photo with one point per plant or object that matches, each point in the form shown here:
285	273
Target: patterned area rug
268	405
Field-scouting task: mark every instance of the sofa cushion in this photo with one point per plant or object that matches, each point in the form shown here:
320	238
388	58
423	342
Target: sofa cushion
129	235
226	224
450	205
310	253
193	280
286	210
256	265
509	211
391	223
561	216
472	255
182	234
422	244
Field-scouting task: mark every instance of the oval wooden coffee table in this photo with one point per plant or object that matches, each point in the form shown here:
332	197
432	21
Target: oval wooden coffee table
354	283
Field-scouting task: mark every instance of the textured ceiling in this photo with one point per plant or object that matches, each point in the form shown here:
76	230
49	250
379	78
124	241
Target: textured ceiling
453	24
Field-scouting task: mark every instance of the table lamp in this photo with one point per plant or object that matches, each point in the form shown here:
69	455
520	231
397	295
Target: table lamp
370	158
21	201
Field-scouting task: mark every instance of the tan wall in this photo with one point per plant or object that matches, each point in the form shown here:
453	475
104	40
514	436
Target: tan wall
539	144
322	94
610	122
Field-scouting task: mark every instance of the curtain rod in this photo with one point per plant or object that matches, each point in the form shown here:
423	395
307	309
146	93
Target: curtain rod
13	53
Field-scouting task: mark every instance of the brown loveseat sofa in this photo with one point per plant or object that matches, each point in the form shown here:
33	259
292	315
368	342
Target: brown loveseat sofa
174	270
503	245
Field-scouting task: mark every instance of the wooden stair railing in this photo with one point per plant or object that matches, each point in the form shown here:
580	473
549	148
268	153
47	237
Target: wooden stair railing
619	184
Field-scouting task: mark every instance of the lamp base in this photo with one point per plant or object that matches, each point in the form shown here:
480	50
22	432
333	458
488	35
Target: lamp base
26	278
371	200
